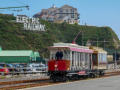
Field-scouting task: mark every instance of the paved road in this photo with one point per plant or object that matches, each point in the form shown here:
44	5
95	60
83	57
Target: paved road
110	83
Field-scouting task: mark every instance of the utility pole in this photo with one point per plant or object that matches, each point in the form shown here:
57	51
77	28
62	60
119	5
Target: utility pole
104	44
115	66
82	38
97	42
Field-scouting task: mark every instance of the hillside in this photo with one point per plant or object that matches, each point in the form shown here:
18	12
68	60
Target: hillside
12	35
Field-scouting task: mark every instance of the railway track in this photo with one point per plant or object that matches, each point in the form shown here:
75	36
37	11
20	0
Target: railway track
13	85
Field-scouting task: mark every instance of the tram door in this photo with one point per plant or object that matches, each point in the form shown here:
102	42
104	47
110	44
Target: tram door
95	60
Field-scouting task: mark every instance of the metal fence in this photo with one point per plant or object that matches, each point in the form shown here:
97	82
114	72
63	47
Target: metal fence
23	74
113	66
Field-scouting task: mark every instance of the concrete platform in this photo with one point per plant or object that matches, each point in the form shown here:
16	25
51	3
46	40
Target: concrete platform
109	83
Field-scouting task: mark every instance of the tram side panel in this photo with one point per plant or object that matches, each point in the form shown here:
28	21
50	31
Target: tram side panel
102	61
80	61
58	65
99	61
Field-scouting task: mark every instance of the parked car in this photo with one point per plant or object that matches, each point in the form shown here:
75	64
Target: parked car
23	67
9	67
36	67
12	68
4	71
43	67
18	68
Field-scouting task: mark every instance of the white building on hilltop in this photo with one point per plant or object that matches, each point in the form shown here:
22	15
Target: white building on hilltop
65	13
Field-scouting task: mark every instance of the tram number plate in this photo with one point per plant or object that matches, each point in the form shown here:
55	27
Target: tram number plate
82	73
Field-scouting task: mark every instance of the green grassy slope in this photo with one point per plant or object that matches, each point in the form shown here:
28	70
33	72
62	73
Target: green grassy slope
12	35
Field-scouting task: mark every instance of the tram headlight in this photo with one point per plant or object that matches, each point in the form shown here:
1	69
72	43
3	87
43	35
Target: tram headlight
68	68
55	65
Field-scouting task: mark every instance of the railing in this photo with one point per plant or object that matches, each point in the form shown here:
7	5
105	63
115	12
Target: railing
21	71
113	66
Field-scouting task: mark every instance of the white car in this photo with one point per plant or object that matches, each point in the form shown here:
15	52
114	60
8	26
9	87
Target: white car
35	67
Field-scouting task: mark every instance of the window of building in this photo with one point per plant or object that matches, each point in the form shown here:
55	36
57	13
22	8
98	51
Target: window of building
72	16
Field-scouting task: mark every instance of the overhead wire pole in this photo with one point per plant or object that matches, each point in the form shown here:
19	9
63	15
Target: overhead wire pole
115	66
104	43
27	7
82	39
18	8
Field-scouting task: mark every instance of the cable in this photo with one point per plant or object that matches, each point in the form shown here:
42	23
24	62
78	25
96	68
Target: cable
20	2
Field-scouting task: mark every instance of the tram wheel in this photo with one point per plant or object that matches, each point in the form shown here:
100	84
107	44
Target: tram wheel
92	75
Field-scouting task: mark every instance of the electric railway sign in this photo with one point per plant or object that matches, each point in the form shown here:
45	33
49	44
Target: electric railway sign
30	23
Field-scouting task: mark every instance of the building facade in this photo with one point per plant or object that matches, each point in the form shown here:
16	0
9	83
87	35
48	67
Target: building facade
19	56
65	13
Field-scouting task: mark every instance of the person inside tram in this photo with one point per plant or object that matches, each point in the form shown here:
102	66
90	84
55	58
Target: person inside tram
59	55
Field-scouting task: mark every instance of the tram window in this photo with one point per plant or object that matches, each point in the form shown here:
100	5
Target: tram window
86	58
52	57
72	58
99	57
75	58
82	59
78	58
104	57
81	56
66	55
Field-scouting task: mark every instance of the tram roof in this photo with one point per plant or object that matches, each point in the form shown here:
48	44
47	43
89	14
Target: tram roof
71	47
98	49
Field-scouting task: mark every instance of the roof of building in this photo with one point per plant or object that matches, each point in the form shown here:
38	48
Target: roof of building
16	53
66	6
37	54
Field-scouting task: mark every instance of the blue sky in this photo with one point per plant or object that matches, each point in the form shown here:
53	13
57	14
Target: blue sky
92	12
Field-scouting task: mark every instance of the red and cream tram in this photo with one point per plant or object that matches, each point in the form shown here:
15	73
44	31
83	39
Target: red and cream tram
77	61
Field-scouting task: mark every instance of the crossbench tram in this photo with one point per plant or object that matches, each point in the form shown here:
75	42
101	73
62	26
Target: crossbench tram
77	62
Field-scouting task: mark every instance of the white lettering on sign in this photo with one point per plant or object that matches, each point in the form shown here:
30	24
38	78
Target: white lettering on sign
30	23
